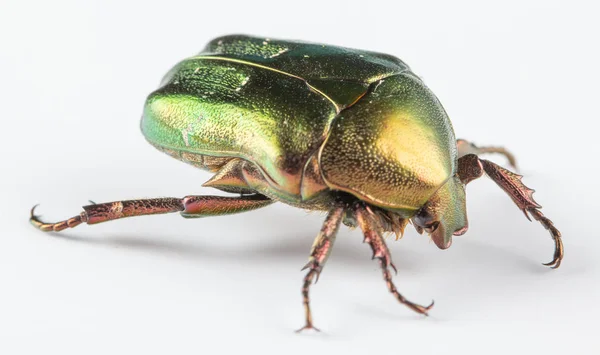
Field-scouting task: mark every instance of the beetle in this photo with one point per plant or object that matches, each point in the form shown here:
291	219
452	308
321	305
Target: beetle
353	133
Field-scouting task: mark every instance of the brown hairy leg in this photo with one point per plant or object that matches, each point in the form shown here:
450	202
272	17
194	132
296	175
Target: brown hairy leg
470	167
190	206
318	256
371	227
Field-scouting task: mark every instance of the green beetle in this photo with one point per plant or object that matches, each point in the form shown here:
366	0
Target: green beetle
350	132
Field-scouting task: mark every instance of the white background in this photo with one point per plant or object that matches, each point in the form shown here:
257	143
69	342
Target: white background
74	76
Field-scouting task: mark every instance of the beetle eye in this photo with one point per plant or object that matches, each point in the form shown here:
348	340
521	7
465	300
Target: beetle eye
422	217
424	222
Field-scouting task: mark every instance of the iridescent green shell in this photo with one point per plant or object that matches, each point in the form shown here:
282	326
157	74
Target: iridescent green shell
360	120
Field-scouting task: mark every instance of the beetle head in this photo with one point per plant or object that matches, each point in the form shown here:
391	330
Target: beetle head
444	214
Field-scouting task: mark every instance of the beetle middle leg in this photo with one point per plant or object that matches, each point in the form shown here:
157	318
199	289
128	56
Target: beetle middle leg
372	231
318	256
190	206
466	147
470	167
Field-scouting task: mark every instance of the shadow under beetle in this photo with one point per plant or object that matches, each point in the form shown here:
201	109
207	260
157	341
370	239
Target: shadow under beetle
350	132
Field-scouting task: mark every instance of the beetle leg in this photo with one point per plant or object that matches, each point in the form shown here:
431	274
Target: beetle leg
466	147
470	167
318	256
190	206
373	235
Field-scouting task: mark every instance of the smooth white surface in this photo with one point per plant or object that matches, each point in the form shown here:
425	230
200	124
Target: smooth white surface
74	77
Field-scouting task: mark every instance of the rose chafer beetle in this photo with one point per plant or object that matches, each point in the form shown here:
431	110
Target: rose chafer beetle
350	132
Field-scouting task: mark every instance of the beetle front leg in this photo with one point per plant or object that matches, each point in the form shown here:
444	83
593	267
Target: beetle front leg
190	206
465	147
470	167
373	235
318	256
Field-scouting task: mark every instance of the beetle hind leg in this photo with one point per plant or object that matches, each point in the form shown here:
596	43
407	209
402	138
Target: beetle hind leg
318	256
470	167
57	226
372	231
190	206
466	147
